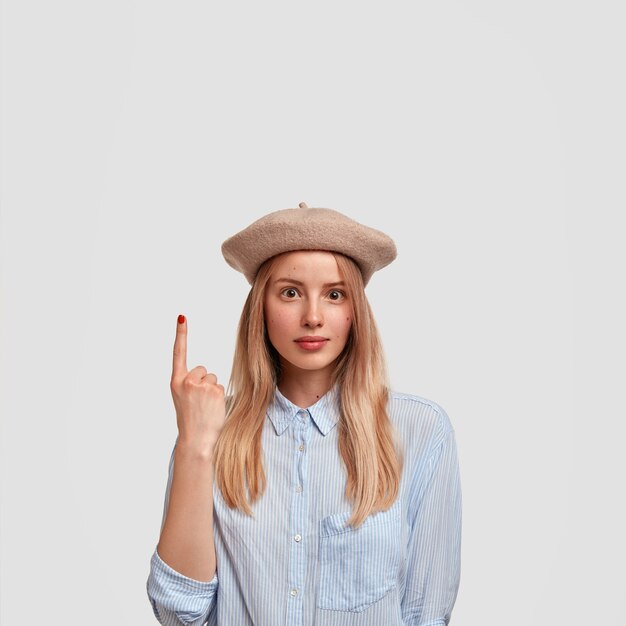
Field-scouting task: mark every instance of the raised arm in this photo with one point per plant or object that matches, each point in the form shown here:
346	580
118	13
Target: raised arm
183	579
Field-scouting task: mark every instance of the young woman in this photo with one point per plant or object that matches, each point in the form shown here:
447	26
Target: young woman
311	494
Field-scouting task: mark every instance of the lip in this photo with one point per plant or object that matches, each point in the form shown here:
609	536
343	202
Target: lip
311	339
311	344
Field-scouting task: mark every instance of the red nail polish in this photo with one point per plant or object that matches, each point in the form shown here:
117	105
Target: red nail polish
181	319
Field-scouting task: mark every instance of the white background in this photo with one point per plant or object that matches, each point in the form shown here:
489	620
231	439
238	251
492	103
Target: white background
487	138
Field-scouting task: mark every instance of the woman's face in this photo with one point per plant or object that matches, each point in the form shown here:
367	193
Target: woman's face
304	297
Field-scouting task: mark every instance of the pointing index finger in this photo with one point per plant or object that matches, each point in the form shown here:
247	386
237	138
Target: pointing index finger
179	366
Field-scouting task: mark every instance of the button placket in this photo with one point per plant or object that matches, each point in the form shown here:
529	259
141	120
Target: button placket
299	514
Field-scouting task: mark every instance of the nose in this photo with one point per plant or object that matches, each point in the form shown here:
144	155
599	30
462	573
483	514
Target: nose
312	314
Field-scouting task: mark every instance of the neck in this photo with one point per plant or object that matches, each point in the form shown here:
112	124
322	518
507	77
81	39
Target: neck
304	391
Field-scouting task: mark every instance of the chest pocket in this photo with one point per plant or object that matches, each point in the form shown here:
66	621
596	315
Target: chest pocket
358	566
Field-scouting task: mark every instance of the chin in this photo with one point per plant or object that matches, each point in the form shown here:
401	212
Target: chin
310	364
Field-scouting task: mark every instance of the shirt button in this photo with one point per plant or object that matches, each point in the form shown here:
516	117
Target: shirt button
294	592
298	537
301	447
299	488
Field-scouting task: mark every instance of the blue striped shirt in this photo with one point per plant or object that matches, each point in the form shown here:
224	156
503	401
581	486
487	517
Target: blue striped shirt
297	563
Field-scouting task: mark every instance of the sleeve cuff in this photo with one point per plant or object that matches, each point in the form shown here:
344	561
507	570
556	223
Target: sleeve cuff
176	598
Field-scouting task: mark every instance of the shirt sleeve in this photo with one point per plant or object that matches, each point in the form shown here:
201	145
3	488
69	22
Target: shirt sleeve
175	598
434	548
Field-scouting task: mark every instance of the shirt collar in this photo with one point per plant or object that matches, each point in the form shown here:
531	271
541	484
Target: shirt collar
324	413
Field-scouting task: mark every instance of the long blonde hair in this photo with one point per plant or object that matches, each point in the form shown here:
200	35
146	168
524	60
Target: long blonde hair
367	441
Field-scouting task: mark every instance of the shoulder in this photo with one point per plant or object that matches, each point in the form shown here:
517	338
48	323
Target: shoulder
418	418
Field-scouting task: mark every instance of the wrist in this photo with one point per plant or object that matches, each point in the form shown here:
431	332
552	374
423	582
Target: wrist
194	449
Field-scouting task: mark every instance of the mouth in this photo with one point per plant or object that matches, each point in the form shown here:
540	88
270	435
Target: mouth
310	339
311	343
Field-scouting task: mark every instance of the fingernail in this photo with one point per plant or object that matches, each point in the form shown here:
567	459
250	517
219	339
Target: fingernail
181	319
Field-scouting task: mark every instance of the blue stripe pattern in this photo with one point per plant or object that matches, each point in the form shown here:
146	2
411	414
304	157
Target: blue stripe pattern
297	563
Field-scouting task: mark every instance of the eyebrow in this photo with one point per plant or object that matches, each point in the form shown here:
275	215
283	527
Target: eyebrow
297	282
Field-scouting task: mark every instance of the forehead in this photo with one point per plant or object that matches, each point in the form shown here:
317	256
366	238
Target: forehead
306	263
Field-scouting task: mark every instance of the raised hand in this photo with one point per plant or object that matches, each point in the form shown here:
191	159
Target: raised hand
198	398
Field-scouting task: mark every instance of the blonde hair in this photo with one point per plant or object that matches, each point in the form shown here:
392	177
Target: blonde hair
367	439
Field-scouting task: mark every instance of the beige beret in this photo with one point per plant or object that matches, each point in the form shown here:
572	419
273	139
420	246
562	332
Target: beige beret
307	228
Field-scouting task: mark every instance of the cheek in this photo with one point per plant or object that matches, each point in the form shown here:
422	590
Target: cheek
270	314
276	321
345	323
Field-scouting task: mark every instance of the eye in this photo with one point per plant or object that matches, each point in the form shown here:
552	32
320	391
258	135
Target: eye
289	289
341	293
